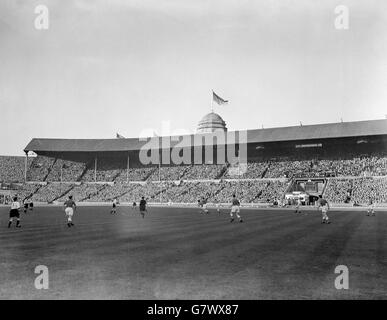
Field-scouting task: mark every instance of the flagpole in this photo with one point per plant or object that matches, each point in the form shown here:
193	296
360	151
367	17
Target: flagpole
212	101
160	176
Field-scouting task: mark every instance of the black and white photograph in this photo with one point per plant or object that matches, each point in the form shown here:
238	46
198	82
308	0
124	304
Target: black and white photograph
193	150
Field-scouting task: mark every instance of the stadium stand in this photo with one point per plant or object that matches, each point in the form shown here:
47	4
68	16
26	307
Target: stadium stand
12	168
253	170
168	173
135	174
205	172
40	168
354	180
338	190
27	191
357	190
66	171
349	159
51	192
82	192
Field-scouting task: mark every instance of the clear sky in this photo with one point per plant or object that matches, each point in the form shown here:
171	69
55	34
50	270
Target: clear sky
107	66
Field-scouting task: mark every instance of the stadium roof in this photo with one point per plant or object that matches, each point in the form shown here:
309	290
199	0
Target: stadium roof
307	132
320	131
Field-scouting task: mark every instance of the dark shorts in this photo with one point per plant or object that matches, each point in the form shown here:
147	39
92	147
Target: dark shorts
114	206
142	209
14	213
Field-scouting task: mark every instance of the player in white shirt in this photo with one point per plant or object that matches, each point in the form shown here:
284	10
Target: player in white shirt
14	213
217	205
371	207
298	204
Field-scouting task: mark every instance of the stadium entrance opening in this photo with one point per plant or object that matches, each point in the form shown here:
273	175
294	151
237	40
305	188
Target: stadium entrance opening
308	190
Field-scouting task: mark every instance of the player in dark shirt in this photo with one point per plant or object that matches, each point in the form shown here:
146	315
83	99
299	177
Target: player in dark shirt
200	205
114	206
204	205
235	209
142	207
324	206
70	207
25	206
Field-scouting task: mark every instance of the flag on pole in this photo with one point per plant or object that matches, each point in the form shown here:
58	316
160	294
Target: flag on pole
218	99
118	136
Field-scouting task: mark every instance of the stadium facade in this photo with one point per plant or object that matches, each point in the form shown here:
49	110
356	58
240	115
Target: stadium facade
346	162
337	140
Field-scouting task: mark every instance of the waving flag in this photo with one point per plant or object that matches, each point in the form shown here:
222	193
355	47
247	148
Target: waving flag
118	136
218	99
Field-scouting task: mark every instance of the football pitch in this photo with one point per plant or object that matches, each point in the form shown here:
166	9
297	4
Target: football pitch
177	253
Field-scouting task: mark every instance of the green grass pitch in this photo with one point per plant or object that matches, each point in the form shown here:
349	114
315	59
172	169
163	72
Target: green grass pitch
177	253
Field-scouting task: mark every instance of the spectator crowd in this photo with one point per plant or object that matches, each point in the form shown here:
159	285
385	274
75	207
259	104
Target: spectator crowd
353	180
357	190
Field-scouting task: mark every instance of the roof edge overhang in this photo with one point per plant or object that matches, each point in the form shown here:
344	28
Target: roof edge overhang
281	134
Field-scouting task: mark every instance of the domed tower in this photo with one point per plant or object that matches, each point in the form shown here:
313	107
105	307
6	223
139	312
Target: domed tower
211	122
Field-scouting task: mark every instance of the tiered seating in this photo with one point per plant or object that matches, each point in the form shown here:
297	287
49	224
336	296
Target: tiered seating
359	190
40	168
337	190
136	174
27	191
136	191
204	172
357	166
50	192
83	192
66	171
355	181
251	170
105	173
190	192
12	168
363	189
289	169
273	191
168	173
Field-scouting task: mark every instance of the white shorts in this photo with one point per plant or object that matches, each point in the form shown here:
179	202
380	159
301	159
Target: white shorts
235	209
69	212
324	209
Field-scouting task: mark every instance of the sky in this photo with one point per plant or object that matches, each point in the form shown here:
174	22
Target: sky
129	66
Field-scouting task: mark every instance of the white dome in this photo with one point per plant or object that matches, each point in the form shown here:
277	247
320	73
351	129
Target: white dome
211	122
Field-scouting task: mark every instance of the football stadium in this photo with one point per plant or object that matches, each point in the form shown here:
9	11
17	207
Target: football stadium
185	247
193	154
